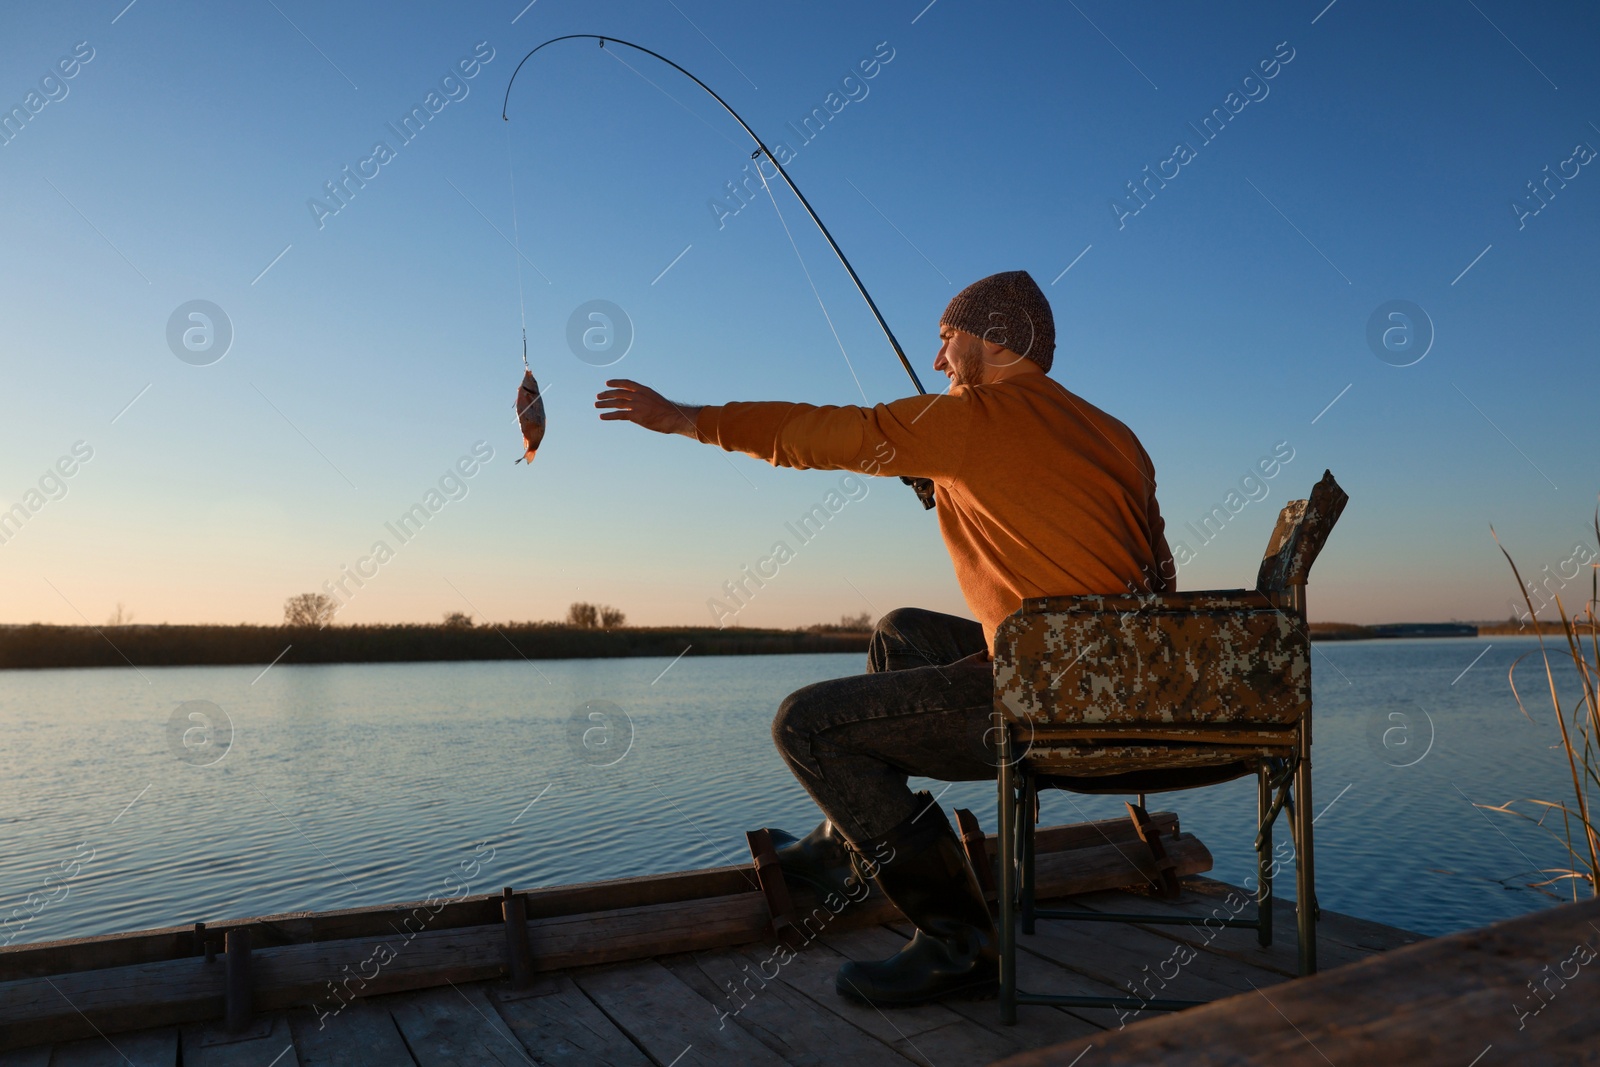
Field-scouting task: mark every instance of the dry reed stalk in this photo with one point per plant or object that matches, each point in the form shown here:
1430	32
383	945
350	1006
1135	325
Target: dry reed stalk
1579	739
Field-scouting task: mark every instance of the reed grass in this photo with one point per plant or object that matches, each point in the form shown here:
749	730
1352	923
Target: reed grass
1579	723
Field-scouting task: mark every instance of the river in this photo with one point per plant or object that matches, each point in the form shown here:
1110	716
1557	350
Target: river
154	797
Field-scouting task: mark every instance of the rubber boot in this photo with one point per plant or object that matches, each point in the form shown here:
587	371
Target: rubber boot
923	870
821	860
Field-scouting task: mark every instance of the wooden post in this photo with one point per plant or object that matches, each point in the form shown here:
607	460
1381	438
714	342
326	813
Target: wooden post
514	910
202	944
770	877
1166	867
237	948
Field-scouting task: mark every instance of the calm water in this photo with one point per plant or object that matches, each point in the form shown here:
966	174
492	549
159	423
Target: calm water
366	784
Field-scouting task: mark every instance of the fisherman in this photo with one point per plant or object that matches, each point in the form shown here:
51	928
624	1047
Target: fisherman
1039	493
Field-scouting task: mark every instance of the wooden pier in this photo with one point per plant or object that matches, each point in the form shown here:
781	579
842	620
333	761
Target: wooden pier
672	971
1518	992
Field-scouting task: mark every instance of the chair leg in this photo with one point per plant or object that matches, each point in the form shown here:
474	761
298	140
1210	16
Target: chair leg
1008	881
1305	868
1028	820
1264	854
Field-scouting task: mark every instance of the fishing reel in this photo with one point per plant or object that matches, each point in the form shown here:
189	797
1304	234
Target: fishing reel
923	487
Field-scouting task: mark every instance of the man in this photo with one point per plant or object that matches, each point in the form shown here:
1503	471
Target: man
1039	493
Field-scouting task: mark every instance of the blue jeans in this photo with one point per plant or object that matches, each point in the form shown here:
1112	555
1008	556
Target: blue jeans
924	708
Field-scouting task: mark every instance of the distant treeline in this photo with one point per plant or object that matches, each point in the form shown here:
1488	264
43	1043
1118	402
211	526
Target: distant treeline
1349	631
1547	626
37	646
1345	631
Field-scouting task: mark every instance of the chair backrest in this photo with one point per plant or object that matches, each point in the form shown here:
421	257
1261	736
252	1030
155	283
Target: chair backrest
1303	528
1186	660
1234	660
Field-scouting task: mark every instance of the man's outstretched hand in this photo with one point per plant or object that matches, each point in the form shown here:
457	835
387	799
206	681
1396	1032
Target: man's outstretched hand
626	401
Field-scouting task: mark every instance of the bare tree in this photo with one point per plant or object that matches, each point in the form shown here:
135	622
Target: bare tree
611	618
583	616
121	617
848	624
309	609
457	620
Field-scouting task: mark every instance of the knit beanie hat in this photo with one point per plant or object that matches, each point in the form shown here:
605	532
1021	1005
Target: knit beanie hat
1009	309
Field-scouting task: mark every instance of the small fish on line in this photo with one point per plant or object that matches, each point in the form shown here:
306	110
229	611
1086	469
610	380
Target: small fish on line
530	415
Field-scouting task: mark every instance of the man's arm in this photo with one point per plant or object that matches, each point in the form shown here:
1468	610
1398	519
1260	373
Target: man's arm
923	436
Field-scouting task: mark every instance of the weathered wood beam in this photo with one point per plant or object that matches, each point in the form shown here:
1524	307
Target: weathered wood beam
177	942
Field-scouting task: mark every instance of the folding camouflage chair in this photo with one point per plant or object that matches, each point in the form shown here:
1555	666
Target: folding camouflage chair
1148	694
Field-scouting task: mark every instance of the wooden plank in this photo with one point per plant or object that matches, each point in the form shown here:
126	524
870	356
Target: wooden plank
1038	973
667	1019
563	1028
267	1044
455	1026
146	1048
305	927
1138	965
1086	869
1446	1001
1344	929
359	1034
37	1056
188	989
1082	834
87	953
1113	865
1140	962
635	933
958	1040
811	974
111	1001
1341	939
745	984
178	991
1036	1024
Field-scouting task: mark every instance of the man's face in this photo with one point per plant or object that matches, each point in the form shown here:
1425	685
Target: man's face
960	356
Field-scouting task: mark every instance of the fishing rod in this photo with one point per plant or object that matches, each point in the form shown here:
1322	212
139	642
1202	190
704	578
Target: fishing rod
922	486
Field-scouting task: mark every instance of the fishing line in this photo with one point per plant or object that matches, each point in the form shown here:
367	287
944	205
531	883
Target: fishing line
530	398
813	284
516	244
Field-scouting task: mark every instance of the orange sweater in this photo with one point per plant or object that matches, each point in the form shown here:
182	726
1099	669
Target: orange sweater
1040	493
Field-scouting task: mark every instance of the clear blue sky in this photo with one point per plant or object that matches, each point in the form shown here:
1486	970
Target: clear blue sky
1379	163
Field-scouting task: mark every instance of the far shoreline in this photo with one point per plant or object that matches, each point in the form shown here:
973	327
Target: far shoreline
37	646
46	647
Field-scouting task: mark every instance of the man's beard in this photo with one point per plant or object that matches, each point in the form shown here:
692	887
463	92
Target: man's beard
968	369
